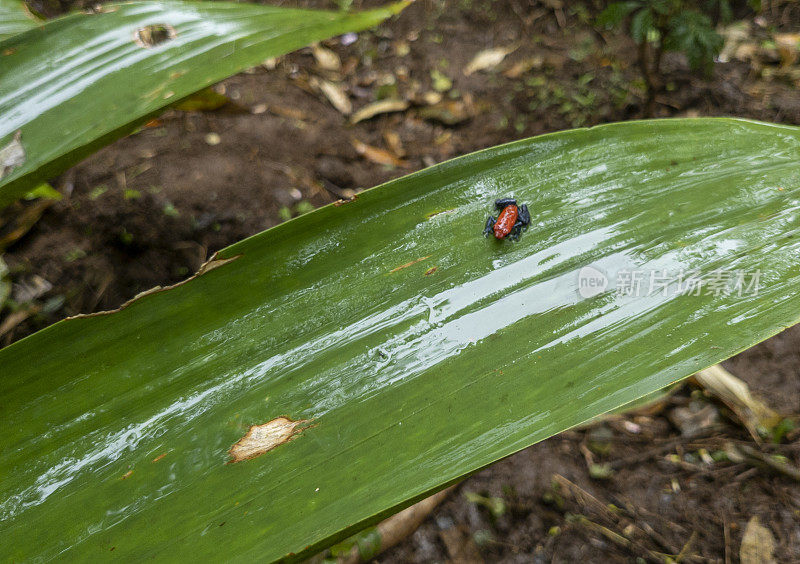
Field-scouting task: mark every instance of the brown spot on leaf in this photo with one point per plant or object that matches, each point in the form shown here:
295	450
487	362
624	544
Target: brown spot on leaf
430	271
260	439
406	265
159	457
154	35
127	475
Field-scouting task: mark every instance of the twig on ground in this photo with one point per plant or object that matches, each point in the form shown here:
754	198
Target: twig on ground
636	510
620	540
746	475
726	534
685	550
13	319
757	458
646	455
587	500
584	498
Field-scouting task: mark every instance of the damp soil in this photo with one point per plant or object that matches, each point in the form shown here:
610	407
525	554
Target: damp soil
152	207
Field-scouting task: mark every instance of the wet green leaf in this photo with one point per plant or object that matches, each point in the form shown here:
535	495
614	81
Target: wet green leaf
14	18
354	384
96	77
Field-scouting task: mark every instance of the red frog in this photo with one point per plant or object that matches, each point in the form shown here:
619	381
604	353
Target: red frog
511	221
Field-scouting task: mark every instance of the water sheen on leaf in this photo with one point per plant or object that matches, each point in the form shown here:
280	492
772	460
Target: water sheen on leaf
127	62
420	350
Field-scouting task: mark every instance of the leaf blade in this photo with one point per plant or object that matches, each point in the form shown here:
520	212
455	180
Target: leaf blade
15	18
423	379
57	70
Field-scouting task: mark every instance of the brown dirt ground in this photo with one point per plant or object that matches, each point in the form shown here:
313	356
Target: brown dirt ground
149	209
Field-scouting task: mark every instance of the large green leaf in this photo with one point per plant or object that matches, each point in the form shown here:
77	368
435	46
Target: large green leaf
79	82
14	18
417	350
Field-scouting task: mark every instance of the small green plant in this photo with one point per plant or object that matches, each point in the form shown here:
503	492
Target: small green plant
659	26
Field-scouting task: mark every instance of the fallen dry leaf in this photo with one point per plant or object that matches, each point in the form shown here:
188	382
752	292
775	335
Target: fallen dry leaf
326	59
736	395
379	107
335	94
487	59
734	35
394	143
376	155
401	48
788	45
460	546
15	318
397	527
286	111
758	545
523	66
30	288
432	97
449	112
23	222
271	63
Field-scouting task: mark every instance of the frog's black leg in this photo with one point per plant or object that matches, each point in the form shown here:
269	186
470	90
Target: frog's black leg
524	216
515	231
503	202
490	221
